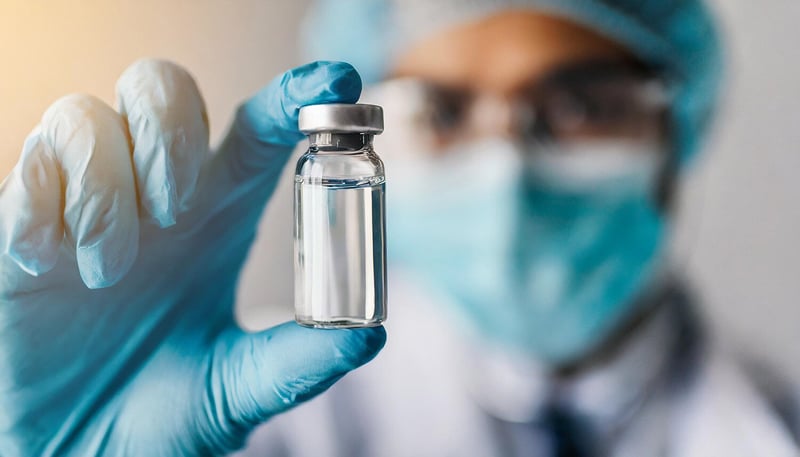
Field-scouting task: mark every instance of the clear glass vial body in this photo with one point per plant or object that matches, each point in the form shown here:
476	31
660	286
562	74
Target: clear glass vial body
339	233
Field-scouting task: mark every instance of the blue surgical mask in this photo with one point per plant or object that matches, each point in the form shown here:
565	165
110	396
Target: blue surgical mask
542	251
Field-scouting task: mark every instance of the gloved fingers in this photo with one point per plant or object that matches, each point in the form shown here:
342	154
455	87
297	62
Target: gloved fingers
31	228
89	141
168	124
269	118
264	130
255	376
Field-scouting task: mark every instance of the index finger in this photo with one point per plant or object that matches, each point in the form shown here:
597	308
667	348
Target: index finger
265	131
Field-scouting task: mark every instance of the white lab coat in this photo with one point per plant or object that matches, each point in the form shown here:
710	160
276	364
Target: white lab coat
429	393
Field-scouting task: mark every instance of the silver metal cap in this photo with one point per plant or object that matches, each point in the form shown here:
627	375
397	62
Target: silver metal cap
341	118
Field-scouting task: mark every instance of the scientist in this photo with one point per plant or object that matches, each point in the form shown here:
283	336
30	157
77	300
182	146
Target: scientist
532	150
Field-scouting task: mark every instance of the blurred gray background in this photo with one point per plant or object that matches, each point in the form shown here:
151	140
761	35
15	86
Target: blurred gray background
739	217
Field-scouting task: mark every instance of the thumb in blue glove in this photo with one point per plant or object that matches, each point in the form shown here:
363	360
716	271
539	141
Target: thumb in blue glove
122	238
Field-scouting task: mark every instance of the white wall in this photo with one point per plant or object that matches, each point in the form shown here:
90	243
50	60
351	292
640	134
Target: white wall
743	200
742	220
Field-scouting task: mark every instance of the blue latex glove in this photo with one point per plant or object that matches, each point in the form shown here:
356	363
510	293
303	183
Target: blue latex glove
147	360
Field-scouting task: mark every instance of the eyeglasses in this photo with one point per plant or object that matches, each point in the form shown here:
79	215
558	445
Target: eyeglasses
586	102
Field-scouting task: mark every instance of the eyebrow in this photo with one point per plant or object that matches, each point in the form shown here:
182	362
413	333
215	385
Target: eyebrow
594	69
571	73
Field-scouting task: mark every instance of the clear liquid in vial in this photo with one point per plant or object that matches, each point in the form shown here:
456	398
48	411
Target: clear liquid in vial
339	241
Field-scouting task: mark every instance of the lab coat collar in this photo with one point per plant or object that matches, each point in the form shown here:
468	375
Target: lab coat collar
607	395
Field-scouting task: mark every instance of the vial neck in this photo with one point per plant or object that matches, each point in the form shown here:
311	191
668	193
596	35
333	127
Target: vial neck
328	141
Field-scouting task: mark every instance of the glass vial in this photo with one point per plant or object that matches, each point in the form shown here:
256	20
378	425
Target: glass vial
339	219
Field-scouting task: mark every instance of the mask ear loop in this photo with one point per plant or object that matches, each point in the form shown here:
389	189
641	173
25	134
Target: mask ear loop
666	185
660	92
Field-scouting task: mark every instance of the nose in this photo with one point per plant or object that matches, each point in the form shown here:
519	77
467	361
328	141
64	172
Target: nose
492	116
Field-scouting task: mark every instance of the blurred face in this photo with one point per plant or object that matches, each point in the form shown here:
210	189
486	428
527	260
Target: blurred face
522	153
521	74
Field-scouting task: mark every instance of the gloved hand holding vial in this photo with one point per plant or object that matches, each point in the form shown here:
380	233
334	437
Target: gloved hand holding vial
122	237
339	231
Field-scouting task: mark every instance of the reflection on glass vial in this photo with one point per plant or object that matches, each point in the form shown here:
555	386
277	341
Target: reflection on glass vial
339	231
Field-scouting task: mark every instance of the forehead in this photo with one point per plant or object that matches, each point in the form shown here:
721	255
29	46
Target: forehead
504	52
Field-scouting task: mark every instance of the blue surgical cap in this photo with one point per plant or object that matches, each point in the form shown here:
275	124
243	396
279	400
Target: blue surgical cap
677	38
